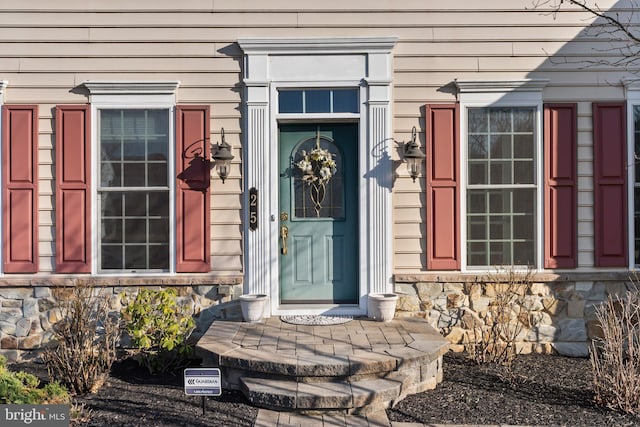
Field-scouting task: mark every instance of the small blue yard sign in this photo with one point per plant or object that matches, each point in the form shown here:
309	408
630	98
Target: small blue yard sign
202	382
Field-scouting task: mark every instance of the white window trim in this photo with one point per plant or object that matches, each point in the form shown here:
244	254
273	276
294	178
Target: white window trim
3	86
131	95
501	93
632	96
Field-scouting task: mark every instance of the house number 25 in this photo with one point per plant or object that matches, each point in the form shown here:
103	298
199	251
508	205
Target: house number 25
253	208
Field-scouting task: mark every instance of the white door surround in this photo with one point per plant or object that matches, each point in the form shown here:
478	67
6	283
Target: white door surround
360	62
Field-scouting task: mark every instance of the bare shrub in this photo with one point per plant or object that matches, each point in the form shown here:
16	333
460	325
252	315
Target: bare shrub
84	339
492	339
615	355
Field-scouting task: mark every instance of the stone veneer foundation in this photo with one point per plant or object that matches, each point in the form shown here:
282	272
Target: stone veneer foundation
562	307
28	312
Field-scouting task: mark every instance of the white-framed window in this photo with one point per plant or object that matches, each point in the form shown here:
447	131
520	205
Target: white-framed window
501	172
134	189
133	163
633	154
3	85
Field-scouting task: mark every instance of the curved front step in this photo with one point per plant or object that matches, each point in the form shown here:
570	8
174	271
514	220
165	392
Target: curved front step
352	367
358	396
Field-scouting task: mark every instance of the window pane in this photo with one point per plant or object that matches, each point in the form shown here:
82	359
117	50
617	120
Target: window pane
477	253
478	173
158	204
158	256
317	101
158	174
523	227
111	204
501	146
134	147
112	257
134	174
500	120
500	227
523	253
112	230
476	201
135	204
478	147
110	150
159	230
157	123
523	120
110	174
290	101
135	230
523	146
477	228
478	120
523	172
345	101
499	201
524	200
501	173
500	253
135	257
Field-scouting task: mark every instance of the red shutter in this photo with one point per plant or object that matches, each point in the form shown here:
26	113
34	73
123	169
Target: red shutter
192	189
73	189
560	190
443	186
610	195
20	195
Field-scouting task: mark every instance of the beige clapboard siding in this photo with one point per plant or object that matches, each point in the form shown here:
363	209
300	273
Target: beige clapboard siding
194	42
259	6
585	185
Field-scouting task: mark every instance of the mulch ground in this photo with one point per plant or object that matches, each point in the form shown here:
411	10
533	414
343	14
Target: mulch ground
542	391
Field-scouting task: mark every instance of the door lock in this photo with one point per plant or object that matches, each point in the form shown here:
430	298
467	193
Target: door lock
284	216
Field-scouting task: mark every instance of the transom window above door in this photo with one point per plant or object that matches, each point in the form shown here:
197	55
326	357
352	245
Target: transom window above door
309	101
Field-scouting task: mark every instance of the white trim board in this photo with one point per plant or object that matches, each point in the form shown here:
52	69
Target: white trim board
362	62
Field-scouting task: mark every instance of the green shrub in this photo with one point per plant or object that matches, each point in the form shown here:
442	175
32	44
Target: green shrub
23	388
84	340
159	327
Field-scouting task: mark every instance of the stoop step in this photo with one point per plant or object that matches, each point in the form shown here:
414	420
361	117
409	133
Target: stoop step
351	397
359	367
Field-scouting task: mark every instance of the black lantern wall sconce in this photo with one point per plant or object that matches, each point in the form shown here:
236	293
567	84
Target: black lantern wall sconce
413	155
222	157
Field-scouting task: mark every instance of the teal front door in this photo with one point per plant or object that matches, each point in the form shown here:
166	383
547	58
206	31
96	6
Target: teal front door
318	167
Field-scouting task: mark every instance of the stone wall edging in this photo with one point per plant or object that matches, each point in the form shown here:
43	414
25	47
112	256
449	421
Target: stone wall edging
28	313
562	310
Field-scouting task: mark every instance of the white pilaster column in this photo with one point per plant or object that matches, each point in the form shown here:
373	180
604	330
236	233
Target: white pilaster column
258	258
258	263
378	188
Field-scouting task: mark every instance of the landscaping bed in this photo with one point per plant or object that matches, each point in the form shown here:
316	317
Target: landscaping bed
542	390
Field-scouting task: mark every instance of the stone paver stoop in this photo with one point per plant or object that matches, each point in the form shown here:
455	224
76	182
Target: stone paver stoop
359	367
